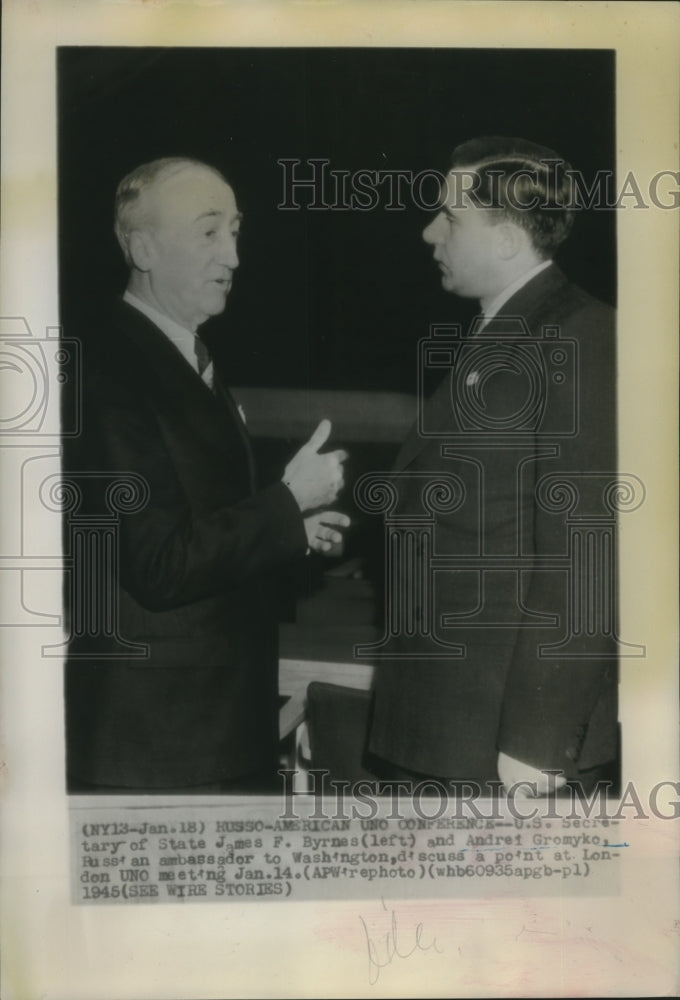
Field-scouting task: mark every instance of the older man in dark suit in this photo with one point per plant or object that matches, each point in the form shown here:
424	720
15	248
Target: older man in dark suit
528	406
199	711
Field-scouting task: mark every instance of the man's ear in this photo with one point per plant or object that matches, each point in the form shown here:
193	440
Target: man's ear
141	249
510	240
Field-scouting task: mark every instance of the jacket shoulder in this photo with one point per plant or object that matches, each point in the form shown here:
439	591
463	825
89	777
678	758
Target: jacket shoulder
113	366
582	301
570	301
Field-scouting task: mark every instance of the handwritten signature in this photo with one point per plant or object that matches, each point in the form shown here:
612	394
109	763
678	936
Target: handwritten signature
385	947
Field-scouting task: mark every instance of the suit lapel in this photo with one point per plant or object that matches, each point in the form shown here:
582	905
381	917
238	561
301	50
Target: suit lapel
529	303
225	397
212	416
435	412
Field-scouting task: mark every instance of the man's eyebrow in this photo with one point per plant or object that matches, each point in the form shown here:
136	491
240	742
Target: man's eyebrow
214	212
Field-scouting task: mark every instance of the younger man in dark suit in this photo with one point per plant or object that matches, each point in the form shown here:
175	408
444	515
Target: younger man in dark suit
519	415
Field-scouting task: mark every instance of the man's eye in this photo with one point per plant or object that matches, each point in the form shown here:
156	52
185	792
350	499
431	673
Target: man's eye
210	232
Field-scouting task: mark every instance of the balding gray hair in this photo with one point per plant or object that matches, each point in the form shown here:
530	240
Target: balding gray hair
129	206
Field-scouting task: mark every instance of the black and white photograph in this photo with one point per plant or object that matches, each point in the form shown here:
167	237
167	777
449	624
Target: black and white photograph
309	282
337	562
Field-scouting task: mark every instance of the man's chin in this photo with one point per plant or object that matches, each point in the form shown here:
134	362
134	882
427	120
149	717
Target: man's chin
217	303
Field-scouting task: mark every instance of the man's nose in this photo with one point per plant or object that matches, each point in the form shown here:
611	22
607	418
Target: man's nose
228	252
431	232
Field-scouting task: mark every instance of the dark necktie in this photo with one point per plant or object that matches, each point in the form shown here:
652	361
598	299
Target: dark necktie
202	356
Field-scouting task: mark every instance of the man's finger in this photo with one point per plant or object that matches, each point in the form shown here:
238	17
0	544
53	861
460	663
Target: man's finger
320	435
340	454
335	517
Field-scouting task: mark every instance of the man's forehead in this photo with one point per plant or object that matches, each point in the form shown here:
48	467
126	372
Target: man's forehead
193	187
456	187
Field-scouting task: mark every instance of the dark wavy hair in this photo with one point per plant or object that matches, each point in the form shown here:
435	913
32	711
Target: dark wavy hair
522	182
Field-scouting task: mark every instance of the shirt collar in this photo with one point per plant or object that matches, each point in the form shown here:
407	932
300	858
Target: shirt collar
183	339
507	293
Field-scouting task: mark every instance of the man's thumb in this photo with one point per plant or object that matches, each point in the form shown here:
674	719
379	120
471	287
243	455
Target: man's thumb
320	435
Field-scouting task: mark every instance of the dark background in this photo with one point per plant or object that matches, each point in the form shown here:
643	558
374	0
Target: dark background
321	299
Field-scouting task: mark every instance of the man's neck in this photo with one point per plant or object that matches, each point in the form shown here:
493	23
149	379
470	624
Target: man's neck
139	287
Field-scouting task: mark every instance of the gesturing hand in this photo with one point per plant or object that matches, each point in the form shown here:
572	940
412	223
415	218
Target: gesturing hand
321	536
315	480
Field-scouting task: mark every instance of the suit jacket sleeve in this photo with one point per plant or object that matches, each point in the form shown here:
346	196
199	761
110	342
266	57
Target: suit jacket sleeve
180	549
